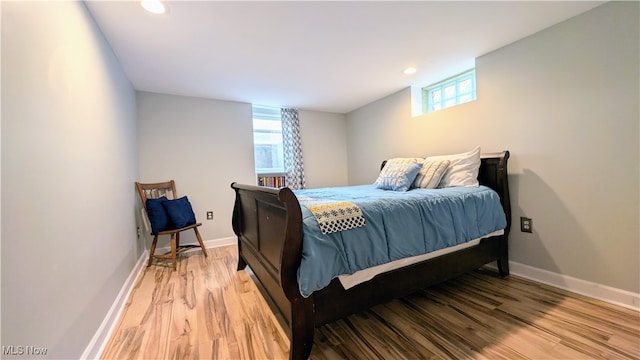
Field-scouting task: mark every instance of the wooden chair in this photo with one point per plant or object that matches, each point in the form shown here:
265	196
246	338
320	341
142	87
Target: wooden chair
168	189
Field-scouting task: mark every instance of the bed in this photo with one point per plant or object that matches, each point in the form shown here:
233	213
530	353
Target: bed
269	225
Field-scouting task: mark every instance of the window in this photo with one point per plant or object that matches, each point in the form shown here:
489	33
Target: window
267	140
456	90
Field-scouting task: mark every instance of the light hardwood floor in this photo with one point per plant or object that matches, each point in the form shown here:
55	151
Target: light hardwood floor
207	310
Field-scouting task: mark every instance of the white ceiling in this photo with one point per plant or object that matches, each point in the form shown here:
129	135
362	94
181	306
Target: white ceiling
330	56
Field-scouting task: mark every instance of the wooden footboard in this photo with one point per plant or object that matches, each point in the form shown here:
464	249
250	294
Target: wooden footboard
268	223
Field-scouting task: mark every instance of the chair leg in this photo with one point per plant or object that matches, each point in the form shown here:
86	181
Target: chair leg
200	241
152	250
173	252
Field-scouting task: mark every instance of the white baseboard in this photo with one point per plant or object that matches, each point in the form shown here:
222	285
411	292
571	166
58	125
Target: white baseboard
208	244
220	242
103	334
101	337
605	293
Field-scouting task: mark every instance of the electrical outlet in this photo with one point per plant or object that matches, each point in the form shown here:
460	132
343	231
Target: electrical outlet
209	215
139	232
526	225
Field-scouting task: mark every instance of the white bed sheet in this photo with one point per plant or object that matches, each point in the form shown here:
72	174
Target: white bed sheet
349	281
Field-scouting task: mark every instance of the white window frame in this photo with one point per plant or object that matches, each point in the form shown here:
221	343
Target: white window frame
454	98
262	115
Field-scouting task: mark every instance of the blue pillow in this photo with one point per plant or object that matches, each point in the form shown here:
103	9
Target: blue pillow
158	215
397	177
180	212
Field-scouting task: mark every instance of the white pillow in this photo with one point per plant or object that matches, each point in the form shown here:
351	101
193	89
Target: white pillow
430	174
463	169
413	160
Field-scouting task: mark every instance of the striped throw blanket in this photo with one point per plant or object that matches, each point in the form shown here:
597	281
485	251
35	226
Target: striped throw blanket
334	216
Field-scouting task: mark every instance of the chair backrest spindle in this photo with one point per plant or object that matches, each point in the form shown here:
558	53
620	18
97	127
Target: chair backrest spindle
156	190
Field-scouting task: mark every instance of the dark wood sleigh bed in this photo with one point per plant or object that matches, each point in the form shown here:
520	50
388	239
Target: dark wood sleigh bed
268	223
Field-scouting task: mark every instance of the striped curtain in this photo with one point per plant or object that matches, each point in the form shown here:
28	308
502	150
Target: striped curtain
292	149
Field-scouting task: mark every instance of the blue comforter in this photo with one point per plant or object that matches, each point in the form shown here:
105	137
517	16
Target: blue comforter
398	225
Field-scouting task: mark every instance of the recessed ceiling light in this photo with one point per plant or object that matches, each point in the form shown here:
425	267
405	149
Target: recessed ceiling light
409	71
153	6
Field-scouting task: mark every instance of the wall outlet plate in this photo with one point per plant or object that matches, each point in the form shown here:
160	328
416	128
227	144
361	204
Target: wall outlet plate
526	225
209	215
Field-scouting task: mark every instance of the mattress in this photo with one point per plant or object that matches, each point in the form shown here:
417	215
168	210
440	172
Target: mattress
349	281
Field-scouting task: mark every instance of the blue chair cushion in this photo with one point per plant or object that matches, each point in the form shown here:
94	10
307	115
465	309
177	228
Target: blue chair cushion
158	216
180	212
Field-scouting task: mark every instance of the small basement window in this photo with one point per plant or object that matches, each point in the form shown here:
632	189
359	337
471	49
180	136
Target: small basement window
453	91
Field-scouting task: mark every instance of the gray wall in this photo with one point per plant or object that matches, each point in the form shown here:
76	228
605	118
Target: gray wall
202	144
69	161
205	145
564	101
324	148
